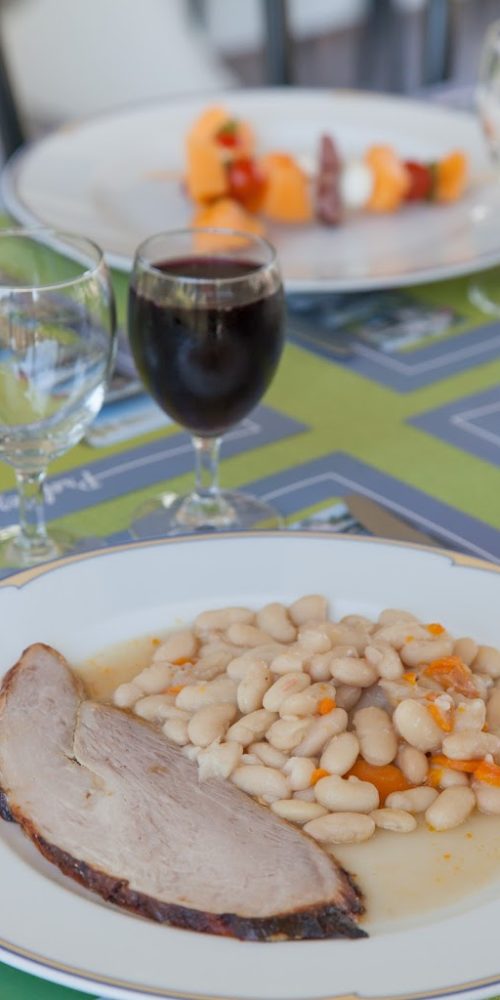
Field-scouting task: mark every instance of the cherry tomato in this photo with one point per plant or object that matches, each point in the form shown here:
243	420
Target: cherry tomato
228	134
420	177
246	182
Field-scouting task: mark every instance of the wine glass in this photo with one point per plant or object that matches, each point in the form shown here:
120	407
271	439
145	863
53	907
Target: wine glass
206	328
484	291
57	326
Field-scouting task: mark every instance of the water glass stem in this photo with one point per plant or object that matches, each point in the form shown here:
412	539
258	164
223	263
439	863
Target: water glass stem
32	538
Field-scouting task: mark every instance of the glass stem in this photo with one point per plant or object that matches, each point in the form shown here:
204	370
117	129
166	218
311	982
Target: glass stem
33	533
206	452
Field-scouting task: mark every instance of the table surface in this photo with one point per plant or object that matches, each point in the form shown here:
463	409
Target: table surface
392	395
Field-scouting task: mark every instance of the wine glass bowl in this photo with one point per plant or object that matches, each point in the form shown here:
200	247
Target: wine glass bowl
57	323
206	328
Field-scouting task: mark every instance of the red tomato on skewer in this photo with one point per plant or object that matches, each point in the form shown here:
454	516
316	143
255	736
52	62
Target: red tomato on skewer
246	182
420	177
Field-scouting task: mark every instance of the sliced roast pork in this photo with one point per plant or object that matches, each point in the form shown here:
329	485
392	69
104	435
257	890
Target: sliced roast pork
107	799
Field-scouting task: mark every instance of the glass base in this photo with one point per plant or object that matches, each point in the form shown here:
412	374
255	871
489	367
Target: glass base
484	293
14	555
171	514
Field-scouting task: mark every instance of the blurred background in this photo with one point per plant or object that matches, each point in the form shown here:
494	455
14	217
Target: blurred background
62	59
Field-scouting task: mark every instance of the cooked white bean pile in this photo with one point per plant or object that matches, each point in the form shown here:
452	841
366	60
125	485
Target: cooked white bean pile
343	727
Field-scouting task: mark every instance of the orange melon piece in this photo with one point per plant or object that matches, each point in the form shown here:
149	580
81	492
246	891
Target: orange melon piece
206	177
228	214
208	123
451	175
287	196
390	179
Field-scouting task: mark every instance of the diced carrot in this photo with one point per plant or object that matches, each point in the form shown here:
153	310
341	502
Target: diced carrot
434	776
391	180
468	766
443	718
488	772
435	628
410	677
409	638
156	642
451	672
387	778
181	662
319	772
175	688
451	177
326	706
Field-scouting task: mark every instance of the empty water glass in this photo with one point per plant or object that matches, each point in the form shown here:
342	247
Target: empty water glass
57	327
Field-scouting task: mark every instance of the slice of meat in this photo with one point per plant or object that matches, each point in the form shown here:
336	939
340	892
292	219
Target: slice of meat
107	799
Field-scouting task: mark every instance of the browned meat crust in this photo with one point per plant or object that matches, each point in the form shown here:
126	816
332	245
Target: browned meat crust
314	923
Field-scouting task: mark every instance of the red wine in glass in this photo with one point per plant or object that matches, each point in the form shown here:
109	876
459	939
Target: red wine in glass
206	330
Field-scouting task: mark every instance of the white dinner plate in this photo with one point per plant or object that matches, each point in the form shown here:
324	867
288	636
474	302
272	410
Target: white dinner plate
50	927
117	178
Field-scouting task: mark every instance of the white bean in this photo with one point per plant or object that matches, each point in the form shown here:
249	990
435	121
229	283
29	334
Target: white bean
466	649
191	752
268	652
273	619
241	634
414	800
341	828
299	771
307	702
177	731
268	755
307	795
126	695
318	666
385	659
211	666
314	638
414	764
178	646
210	723
238	667
266	782
426	650
340	753
320	731
487	798
251	728
376	735
396	820
346	794
448	778
287	663
285	734
416	725
451	808
347	696
253	687
312	606
218	760
155	678
390	616
288	684
397	634
342	635
296	811
360	622
355	672
155	707
469	714
487	661
222	618
470	745
195	696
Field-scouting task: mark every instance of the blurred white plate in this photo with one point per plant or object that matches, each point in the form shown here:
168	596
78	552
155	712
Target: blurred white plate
117	179
54	929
